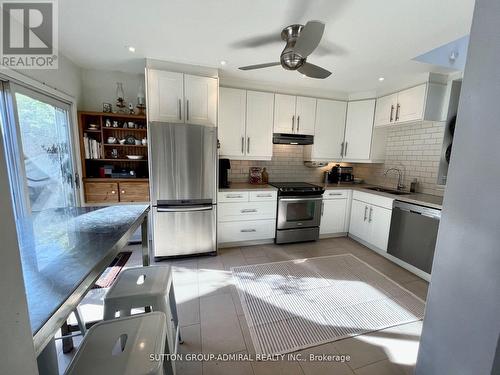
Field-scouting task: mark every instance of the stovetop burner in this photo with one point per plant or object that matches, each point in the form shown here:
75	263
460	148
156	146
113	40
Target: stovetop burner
297	188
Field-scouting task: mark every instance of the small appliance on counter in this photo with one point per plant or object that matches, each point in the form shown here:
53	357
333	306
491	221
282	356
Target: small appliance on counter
339	174
224	167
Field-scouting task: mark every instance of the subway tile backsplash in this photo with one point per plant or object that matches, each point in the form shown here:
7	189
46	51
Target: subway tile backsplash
414	148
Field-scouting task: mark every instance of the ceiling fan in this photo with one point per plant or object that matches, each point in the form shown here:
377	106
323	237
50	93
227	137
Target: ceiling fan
301	41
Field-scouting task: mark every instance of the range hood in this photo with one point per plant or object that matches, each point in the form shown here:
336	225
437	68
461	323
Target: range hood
292	139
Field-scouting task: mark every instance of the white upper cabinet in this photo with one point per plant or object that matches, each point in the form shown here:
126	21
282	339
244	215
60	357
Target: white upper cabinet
305	112
201	100
284	113
259	125
422	102
385	110
358	130
329	131
232	117
165	96
181	98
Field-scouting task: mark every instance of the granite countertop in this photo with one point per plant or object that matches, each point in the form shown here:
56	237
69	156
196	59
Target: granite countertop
241	186
428	200
60	247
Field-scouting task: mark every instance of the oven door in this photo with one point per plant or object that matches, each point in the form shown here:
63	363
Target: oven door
299	212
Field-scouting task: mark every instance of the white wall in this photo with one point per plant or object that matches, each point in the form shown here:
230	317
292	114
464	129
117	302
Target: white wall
99	86
461	331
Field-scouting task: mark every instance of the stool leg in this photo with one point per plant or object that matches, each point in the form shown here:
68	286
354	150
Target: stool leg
80	321
173	308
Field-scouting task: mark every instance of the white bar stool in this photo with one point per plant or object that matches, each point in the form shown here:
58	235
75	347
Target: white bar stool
123	347
145	287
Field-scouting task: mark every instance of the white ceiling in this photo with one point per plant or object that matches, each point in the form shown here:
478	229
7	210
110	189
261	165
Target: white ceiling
369	38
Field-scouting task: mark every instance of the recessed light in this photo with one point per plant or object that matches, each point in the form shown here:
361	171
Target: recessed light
381	79
223	62
131	49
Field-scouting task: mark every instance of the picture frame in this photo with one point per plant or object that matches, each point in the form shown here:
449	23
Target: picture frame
107	107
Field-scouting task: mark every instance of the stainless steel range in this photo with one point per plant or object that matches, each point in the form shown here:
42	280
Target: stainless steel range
299	211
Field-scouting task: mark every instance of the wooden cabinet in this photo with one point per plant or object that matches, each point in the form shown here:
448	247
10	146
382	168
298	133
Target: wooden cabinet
259	125
422	102
101	192
232	118
294	114
134	191
358	130
246	124
334	214
114	192
371	219
181	98
329	131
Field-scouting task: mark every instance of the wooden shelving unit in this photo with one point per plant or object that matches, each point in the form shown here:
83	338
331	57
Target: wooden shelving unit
100	189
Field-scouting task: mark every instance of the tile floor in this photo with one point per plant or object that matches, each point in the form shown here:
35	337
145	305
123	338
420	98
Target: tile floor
212	319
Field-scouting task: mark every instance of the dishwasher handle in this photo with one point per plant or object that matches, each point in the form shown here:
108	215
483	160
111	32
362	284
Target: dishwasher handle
416	209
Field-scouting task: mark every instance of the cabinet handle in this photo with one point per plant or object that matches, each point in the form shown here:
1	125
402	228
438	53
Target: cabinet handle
397	112
392	111
248	145
334	194
180	109
113	192
187	110
123	191
322	207
264	195
366	210
293	123
248	230
298	123
370	216
242	145
247	210
234	196
342	149
345	149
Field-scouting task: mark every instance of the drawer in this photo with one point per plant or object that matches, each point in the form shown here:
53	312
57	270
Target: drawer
263	195
246	211
246	230
134	191
336	194
101	192
233	196
375	199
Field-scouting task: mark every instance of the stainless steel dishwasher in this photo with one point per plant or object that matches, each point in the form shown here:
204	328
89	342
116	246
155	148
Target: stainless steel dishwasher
413	234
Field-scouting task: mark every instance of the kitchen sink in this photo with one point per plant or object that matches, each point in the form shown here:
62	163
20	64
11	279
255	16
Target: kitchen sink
390	191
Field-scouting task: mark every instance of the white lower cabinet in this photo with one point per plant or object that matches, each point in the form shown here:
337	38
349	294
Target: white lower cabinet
334	214
246	216
371	219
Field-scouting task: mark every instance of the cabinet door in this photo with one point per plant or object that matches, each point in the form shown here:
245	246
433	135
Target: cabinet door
259	142
379	220
134	191
333	216
284	113
411	104
305	110
101	192
232	107
165	96
329	130
201	100
359	216
385	110
358	129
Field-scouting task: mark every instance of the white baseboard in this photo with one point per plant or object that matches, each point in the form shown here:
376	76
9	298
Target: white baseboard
245	243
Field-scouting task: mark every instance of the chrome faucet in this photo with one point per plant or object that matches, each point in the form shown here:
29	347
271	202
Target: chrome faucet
400	177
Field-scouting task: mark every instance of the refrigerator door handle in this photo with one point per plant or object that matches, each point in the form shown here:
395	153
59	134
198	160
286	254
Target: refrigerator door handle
184	208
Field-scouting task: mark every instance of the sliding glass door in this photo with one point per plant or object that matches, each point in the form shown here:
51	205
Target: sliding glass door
42	153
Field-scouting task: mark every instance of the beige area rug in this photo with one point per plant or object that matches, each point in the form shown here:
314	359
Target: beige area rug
297	304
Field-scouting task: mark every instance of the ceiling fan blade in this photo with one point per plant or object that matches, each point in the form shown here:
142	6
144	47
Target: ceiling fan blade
259	66
258	41
309	38
314	71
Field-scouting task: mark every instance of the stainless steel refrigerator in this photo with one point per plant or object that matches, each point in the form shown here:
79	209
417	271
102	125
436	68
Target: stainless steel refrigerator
183	178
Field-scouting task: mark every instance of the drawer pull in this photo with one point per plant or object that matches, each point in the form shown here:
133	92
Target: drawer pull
264	195
234	196
335	194
113	192
247	210
123	191
248	230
